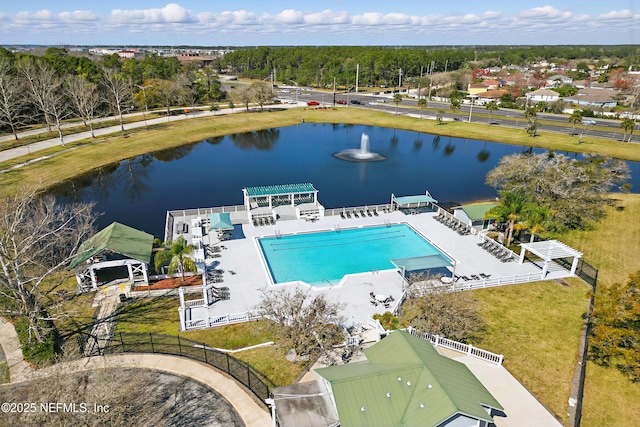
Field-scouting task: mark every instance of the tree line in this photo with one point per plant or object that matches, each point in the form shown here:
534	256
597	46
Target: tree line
386	66
57	85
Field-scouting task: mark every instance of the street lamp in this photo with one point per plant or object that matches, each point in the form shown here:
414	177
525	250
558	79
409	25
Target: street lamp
473	97
144	98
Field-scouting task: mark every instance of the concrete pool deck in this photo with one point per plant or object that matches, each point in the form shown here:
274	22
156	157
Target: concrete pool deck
246	275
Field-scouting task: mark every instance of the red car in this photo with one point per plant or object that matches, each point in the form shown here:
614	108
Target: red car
341	102
311	103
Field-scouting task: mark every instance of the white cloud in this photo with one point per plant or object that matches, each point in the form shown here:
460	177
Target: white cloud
327	17
171	13
289	16
78	16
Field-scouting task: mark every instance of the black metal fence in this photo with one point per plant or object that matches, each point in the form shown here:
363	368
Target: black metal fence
257	382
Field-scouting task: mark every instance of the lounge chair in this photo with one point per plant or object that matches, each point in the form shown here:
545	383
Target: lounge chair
369	213
255	222
375	213
355	214
348	214
485	276
342	215
475	277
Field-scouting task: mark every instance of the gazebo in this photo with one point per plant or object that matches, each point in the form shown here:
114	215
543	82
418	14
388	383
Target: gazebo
117	252
549	250
220	222
293	199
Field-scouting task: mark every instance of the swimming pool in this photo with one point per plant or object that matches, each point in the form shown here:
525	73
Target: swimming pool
323	258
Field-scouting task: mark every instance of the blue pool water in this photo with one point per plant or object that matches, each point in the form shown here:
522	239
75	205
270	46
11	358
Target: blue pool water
323	258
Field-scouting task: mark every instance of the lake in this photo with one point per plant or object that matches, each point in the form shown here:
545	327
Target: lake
139	191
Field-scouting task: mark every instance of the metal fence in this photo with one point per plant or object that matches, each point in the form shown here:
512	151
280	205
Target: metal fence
258	383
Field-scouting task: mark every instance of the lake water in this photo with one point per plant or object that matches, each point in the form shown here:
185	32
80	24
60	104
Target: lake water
138	192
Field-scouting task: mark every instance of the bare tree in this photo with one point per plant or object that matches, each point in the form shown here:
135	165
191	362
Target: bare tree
307	323
12	100
262	93
46	91
85	99
118	93
38	237
432	307
243	96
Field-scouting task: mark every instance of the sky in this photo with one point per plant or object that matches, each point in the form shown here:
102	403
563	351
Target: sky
312	22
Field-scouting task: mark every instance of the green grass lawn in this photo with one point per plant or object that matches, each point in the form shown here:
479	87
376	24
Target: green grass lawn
160	316
536	326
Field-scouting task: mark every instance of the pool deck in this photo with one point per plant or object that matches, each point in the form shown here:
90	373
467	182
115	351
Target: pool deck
246	275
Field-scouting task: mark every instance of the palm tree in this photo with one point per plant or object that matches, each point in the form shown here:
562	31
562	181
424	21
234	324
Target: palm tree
627	125
532	116
422	104
509	210
491	107
176	254
397	98
535	218
439	116
574	119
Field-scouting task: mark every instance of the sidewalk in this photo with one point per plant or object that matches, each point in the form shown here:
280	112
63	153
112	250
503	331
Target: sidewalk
13	153
252	413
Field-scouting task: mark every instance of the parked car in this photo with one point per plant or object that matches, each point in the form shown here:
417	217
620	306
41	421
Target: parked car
341	102
355	101
291	101
312	103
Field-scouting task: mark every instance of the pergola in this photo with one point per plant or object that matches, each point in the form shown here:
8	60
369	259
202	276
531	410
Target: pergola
549	250
412	201
277	195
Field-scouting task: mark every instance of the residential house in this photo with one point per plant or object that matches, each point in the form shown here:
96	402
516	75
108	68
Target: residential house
594	98
542	95
474	215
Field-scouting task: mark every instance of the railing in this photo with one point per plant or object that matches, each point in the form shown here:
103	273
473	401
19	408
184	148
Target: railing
223	320
498	281
378	208
258	383
194	303
468	349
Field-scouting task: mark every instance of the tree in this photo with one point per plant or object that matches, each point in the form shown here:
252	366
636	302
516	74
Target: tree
455	105
433	308
439	115
509	210
118	92
574	119
574	191
262	93
491	107
308	323
397	98
627	125
38	237
534	218
615	330
532	116
176	254
46	91
12	101
85	99
422	104
244	96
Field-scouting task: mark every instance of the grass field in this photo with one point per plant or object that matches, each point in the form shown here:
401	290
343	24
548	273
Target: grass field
523	323
67	163
160	316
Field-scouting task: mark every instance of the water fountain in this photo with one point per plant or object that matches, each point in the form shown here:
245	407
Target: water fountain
360	155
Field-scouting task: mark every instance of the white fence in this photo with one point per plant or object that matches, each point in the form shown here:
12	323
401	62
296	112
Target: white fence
226	319
468	349
500	281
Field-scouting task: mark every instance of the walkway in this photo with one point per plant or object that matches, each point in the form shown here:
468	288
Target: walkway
13	153
252	413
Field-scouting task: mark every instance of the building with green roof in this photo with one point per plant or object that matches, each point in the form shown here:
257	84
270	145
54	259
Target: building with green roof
406	382
115	252
474	215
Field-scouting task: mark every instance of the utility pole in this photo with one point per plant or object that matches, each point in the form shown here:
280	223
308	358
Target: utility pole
334	91
431	79
144	98
357	76
419	82
400	78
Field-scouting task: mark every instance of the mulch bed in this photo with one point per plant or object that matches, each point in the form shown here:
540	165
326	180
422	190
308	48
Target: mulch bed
172	283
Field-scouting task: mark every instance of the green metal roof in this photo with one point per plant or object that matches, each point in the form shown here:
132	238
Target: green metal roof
422	262
275	190
117	238
423	198
406	382
220	221
477	211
